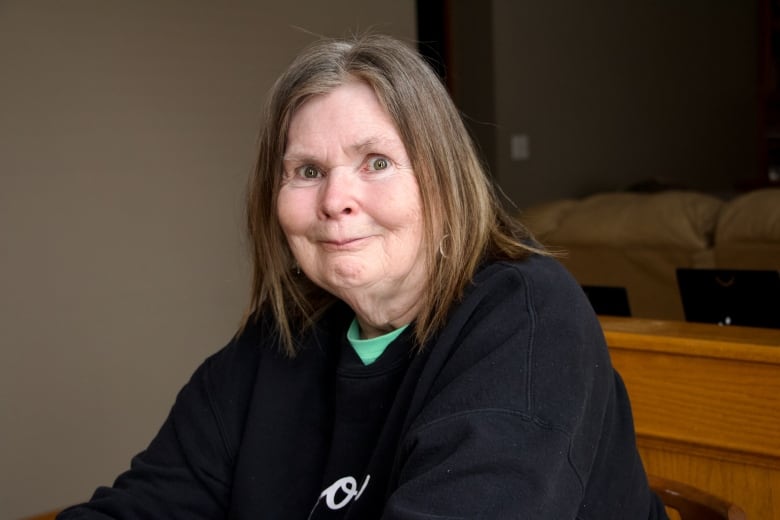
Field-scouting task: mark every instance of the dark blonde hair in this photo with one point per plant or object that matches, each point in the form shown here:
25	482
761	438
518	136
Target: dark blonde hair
464	224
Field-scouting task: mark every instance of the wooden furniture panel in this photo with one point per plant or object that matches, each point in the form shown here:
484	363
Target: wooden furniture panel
706	403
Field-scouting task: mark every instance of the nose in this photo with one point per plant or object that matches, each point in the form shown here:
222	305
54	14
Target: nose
337	194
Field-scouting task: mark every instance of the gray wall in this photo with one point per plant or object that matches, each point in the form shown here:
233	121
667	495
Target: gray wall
127	131
611	93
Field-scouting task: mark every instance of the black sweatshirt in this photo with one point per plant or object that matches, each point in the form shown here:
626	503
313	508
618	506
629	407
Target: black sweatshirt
512	411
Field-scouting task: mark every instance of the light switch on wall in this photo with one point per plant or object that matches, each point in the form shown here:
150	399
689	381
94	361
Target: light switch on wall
519	149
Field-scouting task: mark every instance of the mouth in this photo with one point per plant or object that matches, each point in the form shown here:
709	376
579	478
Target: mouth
346	244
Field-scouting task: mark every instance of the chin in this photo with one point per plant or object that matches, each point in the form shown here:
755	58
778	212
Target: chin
339	277
348	271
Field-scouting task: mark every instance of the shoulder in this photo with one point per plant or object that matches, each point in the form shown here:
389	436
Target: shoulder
535	294
524	338
536	276
237	361
541	298
224	381
255	356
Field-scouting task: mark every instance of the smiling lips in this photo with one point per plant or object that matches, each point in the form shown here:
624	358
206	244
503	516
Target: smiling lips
343	244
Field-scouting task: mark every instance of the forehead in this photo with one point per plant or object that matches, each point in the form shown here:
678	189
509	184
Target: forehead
350	115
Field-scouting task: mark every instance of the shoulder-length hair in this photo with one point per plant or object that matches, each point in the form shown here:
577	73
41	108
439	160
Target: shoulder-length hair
464	224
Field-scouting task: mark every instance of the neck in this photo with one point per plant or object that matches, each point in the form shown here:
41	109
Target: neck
376	322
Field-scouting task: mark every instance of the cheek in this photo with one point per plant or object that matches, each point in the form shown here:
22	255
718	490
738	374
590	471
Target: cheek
294	230
404	210
290	214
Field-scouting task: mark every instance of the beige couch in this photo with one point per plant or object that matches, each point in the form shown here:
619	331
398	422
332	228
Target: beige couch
637	240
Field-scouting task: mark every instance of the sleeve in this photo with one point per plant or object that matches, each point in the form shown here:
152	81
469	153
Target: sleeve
511	422
487	464
185	473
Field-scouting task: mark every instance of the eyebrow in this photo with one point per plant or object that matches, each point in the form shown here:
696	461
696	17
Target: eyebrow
366	144
359	147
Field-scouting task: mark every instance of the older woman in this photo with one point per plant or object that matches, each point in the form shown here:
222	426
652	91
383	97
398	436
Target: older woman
409	352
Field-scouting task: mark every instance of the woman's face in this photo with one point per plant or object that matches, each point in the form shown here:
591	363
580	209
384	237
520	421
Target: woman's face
349	203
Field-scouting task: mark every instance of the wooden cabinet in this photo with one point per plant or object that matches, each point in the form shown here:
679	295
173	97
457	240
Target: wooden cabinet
706	403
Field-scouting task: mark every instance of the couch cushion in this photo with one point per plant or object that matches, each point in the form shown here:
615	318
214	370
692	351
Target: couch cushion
544	218
751	218
679	219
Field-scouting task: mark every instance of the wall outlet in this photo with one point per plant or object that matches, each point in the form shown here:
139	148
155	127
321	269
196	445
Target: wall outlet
519	147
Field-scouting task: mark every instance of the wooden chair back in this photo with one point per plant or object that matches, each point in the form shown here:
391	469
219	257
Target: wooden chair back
691	503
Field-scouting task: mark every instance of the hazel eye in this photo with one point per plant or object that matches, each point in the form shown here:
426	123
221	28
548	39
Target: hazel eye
378	163
308	172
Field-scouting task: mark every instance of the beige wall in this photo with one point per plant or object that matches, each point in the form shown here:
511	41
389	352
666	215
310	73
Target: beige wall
126	134
611	93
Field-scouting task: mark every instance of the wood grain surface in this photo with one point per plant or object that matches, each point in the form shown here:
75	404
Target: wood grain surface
706	403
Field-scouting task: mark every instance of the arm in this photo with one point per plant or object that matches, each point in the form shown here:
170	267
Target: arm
487	464
185	473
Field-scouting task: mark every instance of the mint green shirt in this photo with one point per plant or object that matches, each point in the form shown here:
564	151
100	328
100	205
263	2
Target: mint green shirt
368	350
